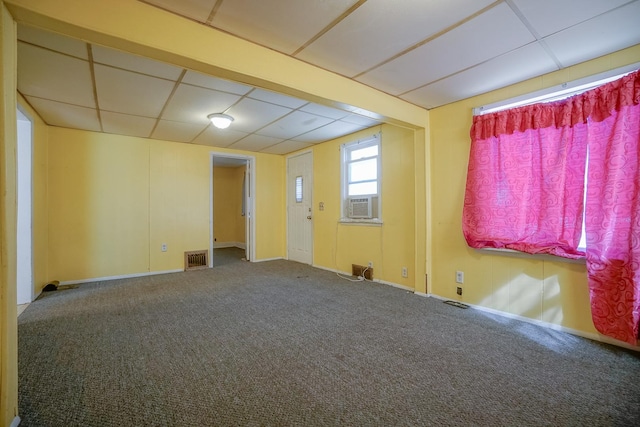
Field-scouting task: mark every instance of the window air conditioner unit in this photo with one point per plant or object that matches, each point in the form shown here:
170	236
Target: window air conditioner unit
360	207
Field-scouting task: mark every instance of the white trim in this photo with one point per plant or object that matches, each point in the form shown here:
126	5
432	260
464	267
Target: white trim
15	422
269	259
382	282
555	327
222	245
519	254
122	276
565	90
422	294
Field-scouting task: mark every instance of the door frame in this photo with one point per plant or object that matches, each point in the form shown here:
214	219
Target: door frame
24	244
288	187
250	213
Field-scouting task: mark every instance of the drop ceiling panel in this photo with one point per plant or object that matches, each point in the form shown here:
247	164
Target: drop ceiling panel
286	147
360	120
215	137
328	132
379	29
193	104
550	16
324	111
284	25
276	98
194	9
65	115
130	93
54	76
124	124
53	41
516	66
177	131
255	142
493	33
209	82
294	124
609	32
250	115
136	63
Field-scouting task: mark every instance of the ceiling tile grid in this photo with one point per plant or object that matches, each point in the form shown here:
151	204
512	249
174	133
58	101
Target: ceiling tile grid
427	52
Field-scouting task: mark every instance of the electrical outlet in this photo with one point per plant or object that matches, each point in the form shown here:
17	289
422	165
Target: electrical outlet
405	273
163	248
459	276
459	290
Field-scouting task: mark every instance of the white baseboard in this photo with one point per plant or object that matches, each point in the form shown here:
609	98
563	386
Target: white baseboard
221	245
15	422
267	259
382	282
122	276
555	327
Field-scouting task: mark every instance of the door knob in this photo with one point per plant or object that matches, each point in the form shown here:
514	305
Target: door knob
308	216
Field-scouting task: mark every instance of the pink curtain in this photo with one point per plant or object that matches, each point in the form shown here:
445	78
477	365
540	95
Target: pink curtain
524	191
525	183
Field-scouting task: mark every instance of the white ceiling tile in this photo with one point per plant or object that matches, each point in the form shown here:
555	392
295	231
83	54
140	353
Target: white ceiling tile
192	104
128	61
54	76
286	147
255	142
53	41
219	137
130	93
284	25
550	16
124	124
293	125
609	32
322	110
493	33
210	82
194	9
250	115
276	98
516	66
360	120
65	115
329	132
177	131
379	29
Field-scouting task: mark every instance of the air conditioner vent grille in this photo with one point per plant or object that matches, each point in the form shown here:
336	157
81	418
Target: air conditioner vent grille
195	260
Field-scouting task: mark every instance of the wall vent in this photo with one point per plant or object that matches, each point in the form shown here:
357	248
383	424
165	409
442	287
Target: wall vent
195	260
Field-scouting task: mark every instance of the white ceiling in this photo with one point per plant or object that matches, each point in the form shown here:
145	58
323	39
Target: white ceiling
427	52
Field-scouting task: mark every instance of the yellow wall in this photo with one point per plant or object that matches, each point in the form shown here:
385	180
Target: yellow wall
390	246
228	221
114	200
541	288
8	297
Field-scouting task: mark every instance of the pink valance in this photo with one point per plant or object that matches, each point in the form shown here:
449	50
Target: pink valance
595	104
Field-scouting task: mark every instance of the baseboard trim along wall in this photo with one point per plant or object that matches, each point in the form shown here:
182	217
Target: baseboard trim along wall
123	276
382	282
221	245
591	336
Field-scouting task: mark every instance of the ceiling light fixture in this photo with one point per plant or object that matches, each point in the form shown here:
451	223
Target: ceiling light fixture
219	120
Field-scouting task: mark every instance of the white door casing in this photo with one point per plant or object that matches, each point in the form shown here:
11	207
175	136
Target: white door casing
299	209
24	249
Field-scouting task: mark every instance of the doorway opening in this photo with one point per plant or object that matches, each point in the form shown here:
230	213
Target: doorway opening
24	250
232	219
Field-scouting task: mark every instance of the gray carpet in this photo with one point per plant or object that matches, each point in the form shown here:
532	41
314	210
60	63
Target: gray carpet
283	344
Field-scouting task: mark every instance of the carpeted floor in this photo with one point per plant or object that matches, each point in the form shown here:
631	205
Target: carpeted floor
283	344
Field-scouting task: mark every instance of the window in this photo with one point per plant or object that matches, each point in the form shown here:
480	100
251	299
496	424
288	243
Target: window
361	180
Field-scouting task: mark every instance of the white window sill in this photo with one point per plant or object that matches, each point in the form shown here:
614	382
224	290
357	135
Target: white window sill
518	254
361	221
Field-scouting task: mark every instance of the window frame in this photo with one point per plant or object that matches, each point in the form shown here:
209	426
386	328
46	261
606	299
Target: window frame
345	152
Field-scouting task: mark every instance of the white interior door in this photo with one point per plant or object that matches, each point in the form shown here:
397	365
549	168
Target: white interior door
247	211
299	208
24	267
